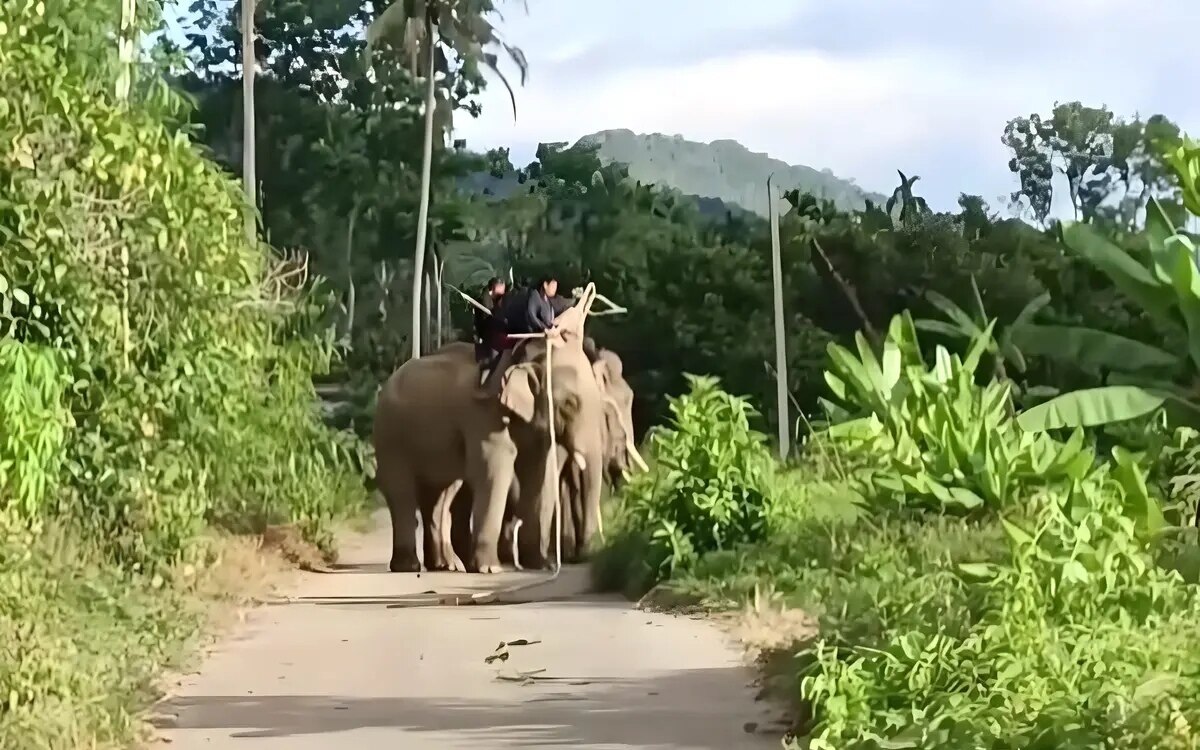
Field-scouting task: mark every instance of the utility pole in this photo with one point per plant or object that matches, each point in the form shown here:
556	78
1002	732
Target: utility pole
781	371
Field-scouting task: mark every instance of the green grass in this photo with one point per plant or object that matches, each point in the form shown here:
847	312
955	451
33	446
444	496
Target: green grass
84	643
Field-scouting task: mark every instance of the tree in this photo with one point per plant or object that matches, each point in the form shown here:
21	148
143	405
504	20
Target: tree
1104	158
427	30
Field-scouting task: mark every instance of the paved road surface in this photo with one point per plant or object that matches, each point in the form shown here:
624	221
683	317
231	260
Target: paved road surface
342	666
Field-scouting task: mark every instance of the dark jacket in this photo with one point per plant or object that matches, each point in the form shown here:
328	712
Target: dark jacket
490	330
539	312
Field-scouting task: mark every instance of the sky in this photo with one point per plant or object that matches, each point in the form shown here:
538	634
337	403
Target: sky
862	87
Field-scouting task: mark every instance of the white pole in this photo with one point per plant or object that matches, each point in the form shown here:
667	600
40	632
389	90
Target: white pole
781	389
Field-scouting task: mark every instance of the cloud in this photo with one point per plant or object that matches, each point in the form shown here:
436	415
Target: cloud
859	86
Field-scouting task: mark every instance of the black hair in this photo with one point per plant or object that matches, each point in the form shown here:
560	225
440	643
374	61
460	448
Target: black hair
492	282
544	280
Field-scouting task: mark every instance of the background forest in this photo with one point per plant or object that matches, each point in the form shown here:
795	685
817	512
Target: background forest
988	512
338	158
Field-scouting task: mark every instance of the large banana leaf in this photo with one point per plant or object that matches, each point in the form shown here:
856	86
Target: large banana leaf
1186	280
1126	273
1091	349
1091	407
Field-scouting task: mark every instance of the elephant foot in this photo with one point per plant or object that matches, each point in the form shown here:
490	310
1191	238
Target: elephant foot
488	564
455	565
404	564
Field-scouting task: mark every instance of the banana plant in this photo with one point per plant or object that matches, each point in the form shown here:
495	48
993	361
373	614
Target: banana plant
1160	275
959	324
949	443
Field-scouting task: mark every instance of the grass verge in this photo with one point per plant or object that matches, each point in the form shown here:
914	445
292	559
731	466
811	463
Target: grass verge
87	645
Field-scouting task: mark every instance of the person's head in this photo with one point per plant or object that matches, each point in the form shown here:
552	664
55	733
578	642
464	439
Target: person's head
496	286
548	285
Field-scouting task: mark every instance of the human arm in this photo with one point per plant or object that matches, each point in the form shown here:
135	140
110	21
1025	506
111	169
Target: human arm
539	315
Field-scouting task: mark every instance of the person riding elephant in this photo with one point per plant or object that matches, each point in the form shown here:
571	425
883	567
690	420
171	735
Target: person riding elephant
433	429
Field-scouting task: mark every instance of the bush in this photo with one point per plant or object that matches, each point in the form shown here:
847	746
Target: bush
711	488
155	377
1040	619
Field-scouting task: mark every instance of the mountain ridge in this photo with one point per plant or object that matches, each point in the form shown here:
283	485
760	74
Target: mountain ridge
722	169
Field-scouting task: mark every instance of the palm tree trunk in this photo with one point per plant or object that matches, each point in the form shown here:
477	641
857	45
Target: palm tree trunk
423	210
249	178
126	44
350	294
441	301
429	312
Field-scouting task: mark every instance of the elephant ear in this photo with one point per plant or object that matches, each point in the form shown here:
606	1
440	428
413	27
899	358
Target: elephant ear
614	426
615	366
520	389
601	370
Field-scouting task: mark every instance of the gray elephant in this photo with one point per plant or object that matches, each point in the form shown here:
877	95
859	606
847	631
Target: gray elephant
619	456
434	428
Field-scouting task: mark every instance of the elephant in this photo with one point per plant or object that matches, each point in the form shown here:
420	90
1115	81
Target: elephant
435	427
619	455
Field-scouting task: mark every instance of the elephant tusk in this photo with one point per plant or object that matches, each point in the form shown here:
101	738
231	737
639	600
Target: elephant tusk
579	460
635	456
516	534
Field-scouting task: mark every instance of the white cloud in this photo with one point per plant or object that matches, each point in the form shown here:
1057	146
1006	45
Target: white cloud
859	88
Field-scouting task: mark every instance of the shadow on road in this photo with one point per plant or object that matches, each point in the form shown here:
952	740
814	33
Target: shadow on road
658	711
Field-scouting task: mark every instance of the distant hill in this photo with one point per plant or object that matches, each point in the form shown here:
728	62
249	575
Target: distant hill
724	170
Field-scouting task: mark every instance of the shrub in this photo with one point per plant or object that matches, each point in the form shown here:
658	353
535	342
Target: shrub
155	376
186	358
930	437
711	487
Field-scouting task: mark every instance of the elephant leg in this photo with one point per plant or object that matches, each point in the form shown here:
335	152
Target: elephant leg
490	476
536	509
579	512
399	489
445	524
568	534
508	528
432	551
591	479
439	550
460	523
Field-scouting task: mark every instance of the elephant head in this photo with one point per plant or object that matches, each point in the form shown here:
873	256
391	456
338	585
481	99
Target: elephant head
621	453
578	418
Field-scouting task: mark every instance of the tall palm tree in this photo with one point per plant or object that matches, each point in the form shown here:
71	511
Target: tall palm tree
425	31
249	177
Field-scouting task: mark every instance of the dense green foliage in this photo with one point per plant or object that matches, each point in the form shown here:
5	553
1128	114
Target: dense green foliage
990	584
155	378
981	577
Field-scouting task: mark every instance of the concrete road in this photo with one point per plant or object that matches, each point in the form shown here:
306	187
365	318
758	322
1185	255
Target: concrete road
344	663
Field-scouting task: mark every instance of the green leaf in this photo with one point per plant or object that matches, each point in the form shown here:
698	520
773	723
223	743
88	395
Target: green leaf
979	571
1159	229
983	342
954	313
1091	407
1139	505
1131	277
1030	310
960	497
1186	282
1090	349
941	327
1015	533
